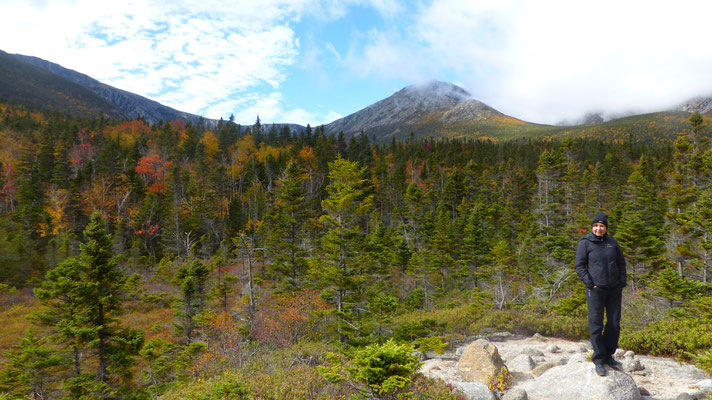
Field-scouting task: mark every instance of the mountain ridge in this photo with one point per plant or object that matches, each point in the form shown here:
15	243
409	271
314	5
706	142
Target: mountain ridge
132	105
431	109
433	104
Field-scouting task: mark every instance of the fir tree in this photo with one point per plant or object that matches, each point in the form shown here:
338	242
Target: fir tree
287	219
83	297
337	270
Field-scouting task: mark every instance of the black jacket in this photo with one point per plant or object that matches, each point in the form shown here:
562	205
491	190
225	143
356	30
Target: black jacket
600	262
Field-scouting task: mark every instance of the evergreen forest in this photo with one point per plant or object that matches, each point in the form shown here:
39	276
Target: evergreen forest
181	261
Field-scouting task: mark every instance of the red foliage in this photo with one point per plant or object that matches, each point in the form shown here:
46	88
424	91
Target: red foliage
135	127
9	190
83	151
149	229
158	187
178	124
153	170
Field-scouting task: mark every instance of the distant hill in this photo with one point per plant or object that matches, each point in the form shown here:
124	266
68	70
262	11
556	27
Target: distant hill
702	105
130	105
443	110
42	84
429	109
433	109
27	84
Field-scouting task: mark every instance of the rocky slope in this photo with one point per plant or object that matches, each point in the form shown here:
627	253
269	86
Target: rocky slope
27	84
434	105
702	105
130	104
548	368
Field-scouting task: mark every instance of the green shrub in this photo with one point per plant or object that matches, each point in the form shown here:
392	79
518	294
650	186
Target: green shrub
528	323
227	386
385	368
680	338
704	360
452	319
409	331
381	371
426	388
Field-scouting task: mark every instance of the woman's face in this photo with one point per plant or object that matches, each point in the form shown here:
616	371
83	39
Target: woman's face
599	229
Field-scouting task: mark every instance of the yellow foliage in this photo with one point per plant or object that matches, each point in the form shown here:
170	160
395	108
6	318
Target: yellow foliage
127	132
306	154
243	149
267	150
57	200
9	148
211	143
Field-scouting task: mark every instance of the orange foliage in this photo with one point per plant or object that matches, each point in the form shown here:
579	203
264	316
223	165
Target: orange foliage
10	148
127	132
178	124
83	151
264	151
57	201
288	318
97	197
306	154
152	169
225	333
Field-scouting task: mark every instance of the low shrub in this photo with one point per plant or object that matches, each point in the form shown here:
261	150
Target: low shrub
227	386
426	388
529	322
679	338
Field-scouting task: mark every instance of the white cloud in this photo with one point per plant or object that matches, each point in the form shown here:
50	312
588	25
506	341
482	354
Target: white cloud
270	108
549	60
183	54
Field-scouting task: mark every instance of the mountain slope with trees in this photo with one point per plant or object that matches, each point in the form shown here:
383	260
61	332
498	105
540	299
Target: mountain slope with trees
270	261
131	105
266	264
22	83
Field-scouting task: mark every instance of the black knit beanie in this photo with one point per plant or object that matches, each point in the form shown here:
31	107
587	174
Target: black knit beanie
600	217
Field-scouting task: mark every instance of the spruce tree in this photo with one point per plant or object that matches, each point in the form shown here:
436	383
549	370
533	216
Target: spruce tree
337	269
83	297
31	367
192	280
639	234
286	220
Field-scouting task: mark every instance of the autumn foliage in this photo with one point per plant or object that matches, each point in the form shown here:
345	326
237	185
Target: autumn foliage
153	170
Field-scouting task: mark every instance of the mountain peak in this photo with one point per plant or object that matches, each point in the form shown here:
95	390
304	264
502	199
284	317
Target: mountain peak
433	104
437	89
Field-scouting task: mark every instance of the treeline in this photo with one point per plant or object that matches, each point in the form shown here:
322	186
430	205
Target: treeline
366	231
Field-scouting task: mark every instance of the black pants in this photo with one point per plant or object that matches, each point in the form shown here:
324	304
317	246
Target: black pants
604	339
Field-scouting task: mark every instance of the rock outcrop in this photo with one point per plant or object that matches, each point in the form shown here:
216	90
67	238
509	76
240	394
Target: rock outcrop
578	381
480	362
546	368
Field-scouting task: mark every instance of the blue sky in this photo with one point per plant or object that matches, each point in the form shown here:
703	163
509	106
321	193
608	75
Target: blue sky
313	61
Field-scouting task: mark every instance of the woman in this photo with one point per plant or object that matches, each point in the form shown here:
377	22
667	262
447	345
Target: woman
601	267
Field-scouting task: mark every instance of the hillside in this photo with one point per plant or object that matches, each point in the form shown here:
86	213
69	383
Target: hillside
26	84
425	109
433	109
443	110
130	104
180	262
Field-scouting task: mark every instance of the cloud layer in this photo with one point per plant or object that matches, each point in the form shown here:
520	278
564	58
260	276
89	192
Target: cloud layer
541	61
551	60
205	57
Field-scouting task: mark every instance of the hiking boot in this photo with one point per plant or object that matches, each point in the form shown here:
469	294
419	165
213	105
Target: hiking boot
611	362
600	370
